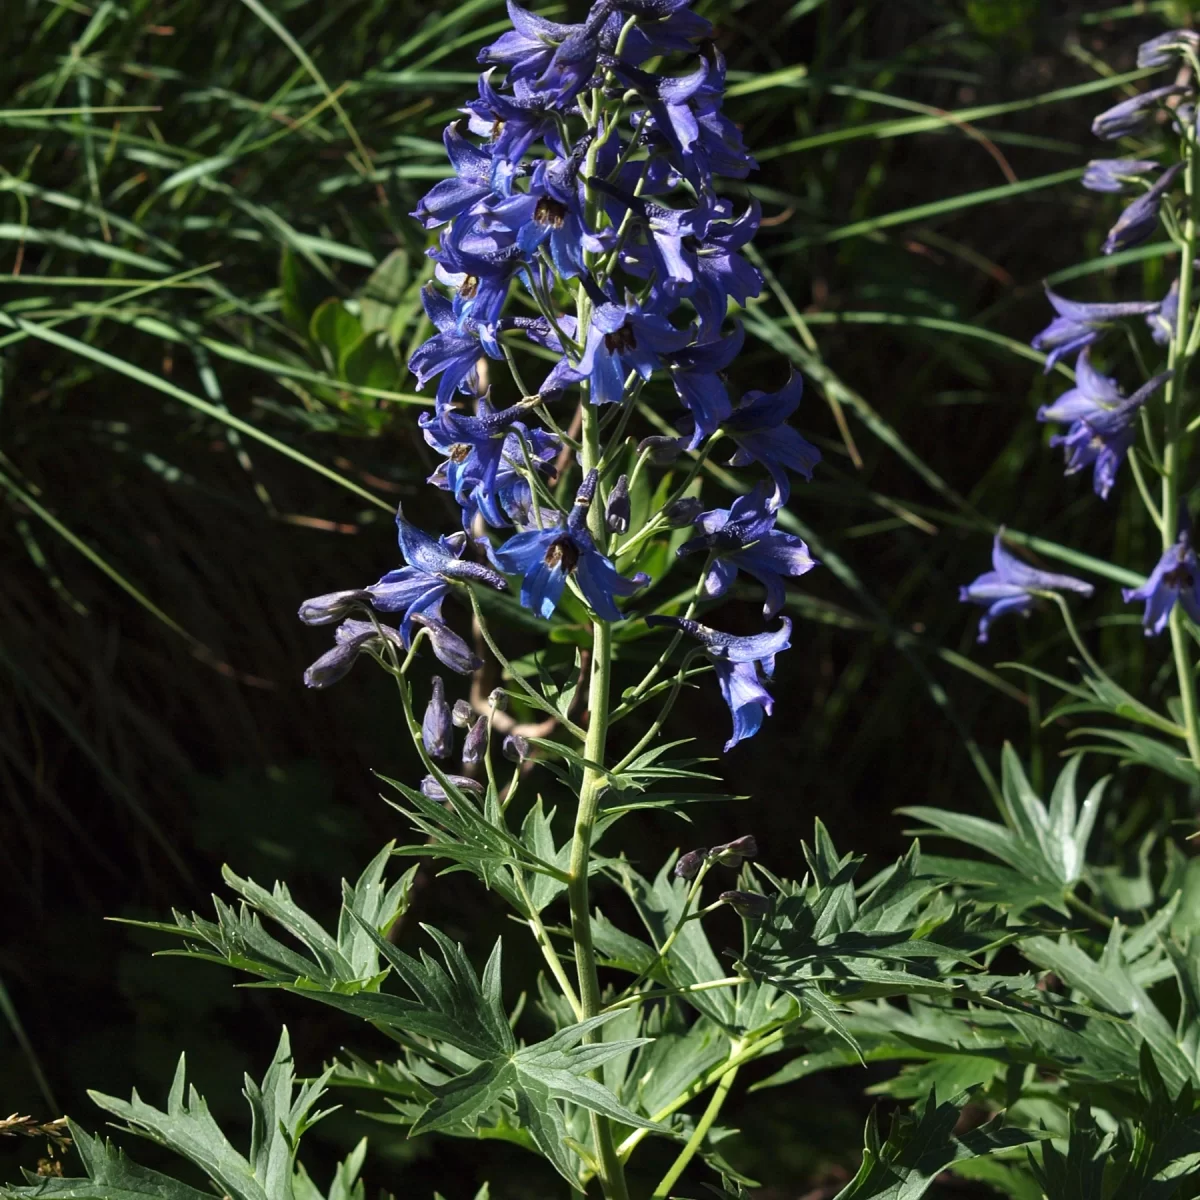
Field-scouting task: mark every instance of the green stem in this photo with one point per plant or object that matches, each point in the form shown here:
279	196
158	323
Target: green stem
612	1171
1094	914
663	1191
1179	359
547	948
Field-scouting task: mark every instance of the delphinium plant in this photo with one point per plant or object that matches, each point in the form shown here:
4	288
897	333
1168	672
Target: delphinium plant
594	223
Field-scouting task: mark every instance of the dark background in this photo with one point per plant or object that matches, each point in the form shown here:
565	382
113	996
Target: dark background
132	767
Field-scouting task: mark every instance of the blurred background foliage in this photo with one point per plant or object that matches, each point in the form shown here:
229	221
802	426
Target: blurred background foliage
210	289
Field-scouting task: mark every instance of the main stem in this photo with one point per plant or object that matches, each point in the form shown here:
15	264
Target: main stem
612	1172
1179	359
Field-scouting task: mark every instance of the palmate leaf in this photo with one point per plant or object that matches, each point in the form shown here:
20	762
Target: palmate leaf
820	945
1078	1174
108	1175
919	1147
537	1080
281	1113
1045	845
1113	986
345	961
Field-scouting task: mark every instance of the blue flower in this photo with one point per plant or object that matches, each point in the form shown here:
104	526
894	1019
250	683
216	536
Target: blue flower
422	585
1010	587
480	271
621	338
1079	324
1101	420
484	457
551	211
1131	116
759	427
452	352
737	662
1140	219
744	538
472	181
558	60
513	123
1176	577
546	558
1115	174
695	372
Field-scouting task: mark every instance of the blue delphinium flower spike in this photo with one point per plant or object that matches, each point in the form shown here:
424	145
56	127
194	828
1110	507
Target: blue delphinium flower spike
1132	115
736	662
422	585
1009	587
1115	174
1079	324
546	558
1175	578
1140	219
759	427
744	538
1102	422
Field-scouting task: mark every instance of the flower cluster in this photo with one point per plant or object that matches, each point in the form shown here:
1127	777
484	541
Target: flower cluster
1102	422
575	165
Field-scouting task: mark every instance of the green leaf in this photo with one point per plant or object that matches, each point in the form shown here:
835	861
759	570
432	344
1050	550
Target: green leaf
280	1116
919	1148
538	1079
110	1175
1047	846
370	363
384	290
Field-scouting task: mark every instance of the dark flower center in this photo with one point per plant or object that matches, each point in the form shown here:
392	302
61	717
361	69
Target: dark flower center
470	287
562	552
550	212
691	243
621	340
1179	578
460	452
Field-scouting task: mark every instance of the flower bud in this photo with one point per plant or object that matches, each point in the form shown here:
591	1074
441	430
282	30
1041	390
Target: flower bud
498	700
333	606
662	451
683	511
616	511
462	714
732	853
689	864
437	728
476	743
515	748
432	790
750	905
450	649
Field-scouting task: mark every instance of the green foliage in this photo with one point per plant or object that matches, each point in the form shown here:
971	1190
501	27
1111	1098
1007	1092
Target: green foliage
281	1113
